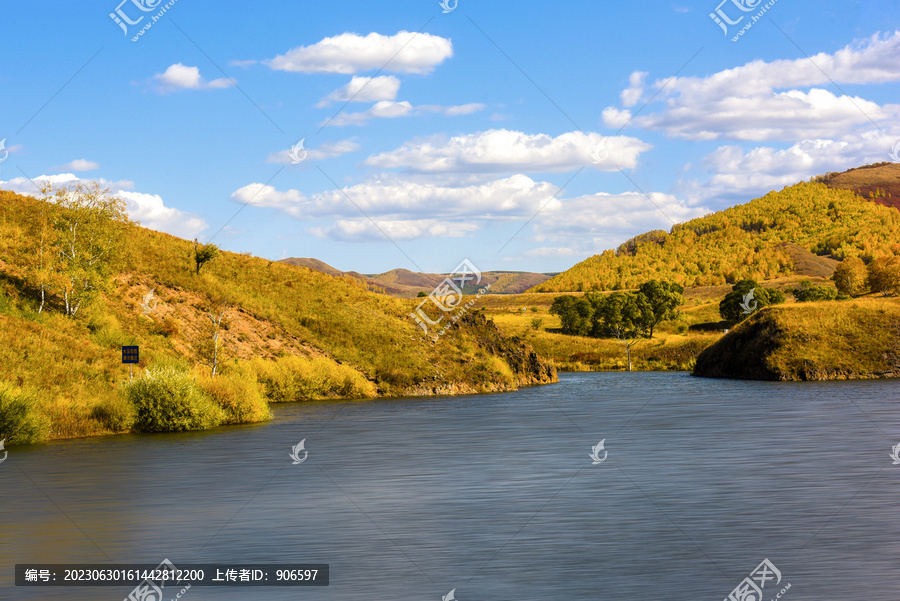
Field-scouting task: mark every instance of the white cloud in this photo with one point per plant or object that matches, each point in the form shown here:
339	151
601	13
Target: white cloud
453	111
775	100
365	89
152	212
633	92
395	198
328	150
738	175
387	109
26	187
291	202
181	77
363	230
348	53
149	209
505	151
78	165
406	208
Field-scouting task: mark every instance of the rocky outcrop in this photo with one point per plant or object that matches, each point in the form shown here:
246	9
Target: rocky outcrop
527	367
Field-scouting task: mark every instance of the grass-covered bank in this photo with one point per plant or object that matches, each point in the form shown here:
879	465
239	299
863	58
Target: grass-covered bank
217	344
856	339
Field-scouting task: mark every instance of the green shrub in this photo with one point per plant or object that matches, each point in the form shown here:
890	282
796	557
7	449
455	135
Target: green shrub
808	293
239	394
292	378
20	422
169	400
116	413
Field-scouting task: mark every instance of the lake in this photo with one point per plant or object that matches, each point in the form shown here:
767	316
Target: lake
494	496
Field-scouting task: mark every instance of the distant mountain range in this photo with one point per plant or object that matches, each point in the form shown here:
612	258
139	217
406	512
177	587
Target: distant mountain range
407	284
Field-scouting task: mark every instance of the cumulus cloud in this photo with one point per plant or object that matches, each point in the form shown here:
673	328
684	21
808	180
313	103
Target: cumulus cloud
365	89
388	109
78	165
348	53
777	100
152	212
148	209
328	150
505	151
181	77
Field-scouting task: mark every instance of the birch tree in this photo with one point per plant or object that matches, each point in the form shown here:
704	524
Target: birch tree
89	232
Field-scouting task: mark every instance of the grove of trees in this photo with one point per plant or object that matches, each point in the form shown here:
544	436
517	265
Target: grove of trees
627	316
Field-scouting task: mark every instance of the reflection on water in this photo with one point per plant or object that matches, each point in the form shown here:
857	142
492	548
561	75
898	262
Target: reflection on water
495	496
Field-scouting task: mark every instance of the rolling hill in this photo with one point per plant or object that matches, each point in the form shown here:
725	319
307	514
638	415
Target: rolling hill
324	334
805	229
879	182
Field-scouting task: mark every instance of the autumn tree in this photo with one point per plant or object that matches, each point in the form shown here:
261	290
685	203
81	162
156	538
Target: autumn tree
850	276
42	262
87	239
884	275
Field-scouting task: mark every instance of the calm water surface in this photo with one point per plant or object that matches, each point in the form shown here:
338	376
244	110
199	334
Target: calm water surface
493	495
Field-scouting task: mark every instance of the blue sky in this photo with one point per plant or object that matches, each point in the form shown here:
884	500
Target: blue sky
520	135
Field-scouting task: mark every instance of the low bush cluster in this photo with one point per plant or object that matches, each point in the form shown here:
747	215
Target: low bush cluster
293	378
167	399
20	422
